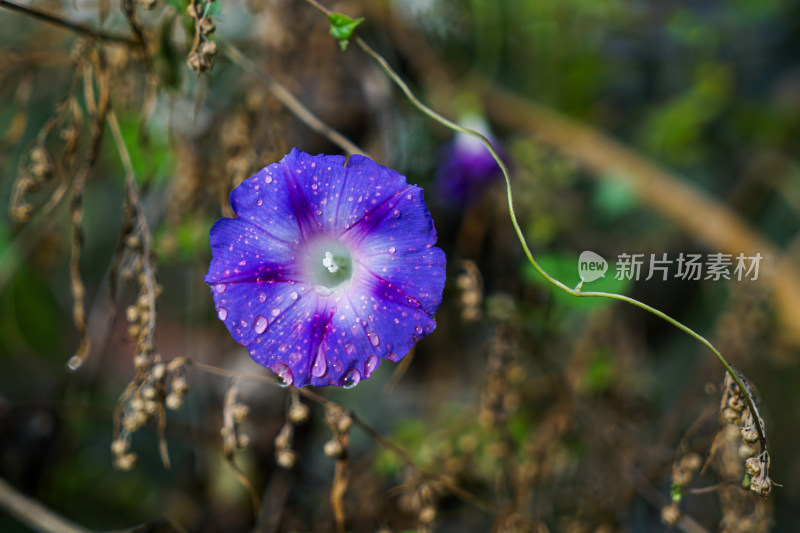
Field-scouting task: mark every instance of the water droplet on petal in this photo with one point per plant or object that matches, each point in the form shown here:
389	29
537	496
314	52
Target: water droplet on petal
260	325
283	373
396	213
242	263
414	302
222	313
350	378
320	367
392	250
293	295
75	362
322	290
243	322
418	329
220	288
275	311
268	178
260	202
374	339
369	366
262	297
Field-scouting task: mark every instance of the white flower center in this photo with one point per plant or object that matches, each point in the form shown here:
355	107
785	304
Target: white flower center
330	263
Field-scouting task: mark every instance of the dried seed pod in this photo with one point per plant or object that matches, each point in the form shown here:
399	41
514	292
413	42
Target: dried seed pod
749	435
208	48
333	448
298	413
753	466
285	458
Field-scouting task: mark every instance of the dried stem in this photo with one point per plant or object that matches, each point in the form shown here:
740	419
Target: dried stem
94	70
34	514
294	105
64	23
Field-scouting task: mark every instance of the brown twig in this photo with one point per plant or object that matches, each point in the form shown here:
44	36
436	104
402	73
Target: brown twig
64	23
94	70
34	514
279	91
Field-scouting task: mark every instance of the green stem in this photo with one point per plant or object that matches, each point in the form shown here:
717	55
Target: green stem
521	237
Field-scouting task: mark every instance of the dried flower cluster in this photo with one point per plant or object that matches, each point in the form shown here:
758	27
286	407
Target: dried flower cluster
234	413
201	55
734	410
157	386
470	286
297	413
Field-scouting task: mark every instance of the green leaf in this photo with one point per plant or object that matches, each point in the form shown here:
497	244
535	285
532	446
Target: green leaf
342	27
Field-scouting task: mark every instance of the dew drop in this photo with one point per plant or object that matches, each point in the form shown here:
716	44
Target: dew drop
283	373
220	288
350	348
268	178
222	313
275	311
260	325
243	322
396	213
392	250
369	366
350	379
322	290
320	366
242	263
418	329
374	339
293	295
314	186
414	302
260	202
262	297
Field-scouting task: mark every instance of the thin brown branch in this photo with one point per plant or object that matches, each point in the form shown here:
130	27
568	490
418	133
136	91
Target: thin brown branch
94	71
34	514
279	91
68	24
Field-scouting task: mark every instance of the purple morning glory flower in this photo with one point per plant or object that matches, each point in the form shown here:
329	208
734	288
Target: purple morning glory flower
466	167
327	268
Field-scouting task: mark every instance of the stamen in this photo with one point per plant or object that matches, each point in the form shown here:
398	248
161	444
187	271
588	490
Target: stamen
329	263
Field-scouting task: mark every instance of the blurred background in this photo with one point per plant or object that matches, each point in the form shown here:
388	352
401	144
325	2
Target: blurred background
629	127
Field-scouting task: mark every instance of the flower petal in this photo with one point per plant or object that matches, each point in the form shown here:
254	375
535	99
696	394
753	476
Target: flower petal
398	248
243	252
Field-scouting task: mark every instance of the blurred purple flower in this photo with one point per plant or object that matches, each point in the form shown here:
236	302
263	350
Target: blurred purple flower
466	167
327	268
